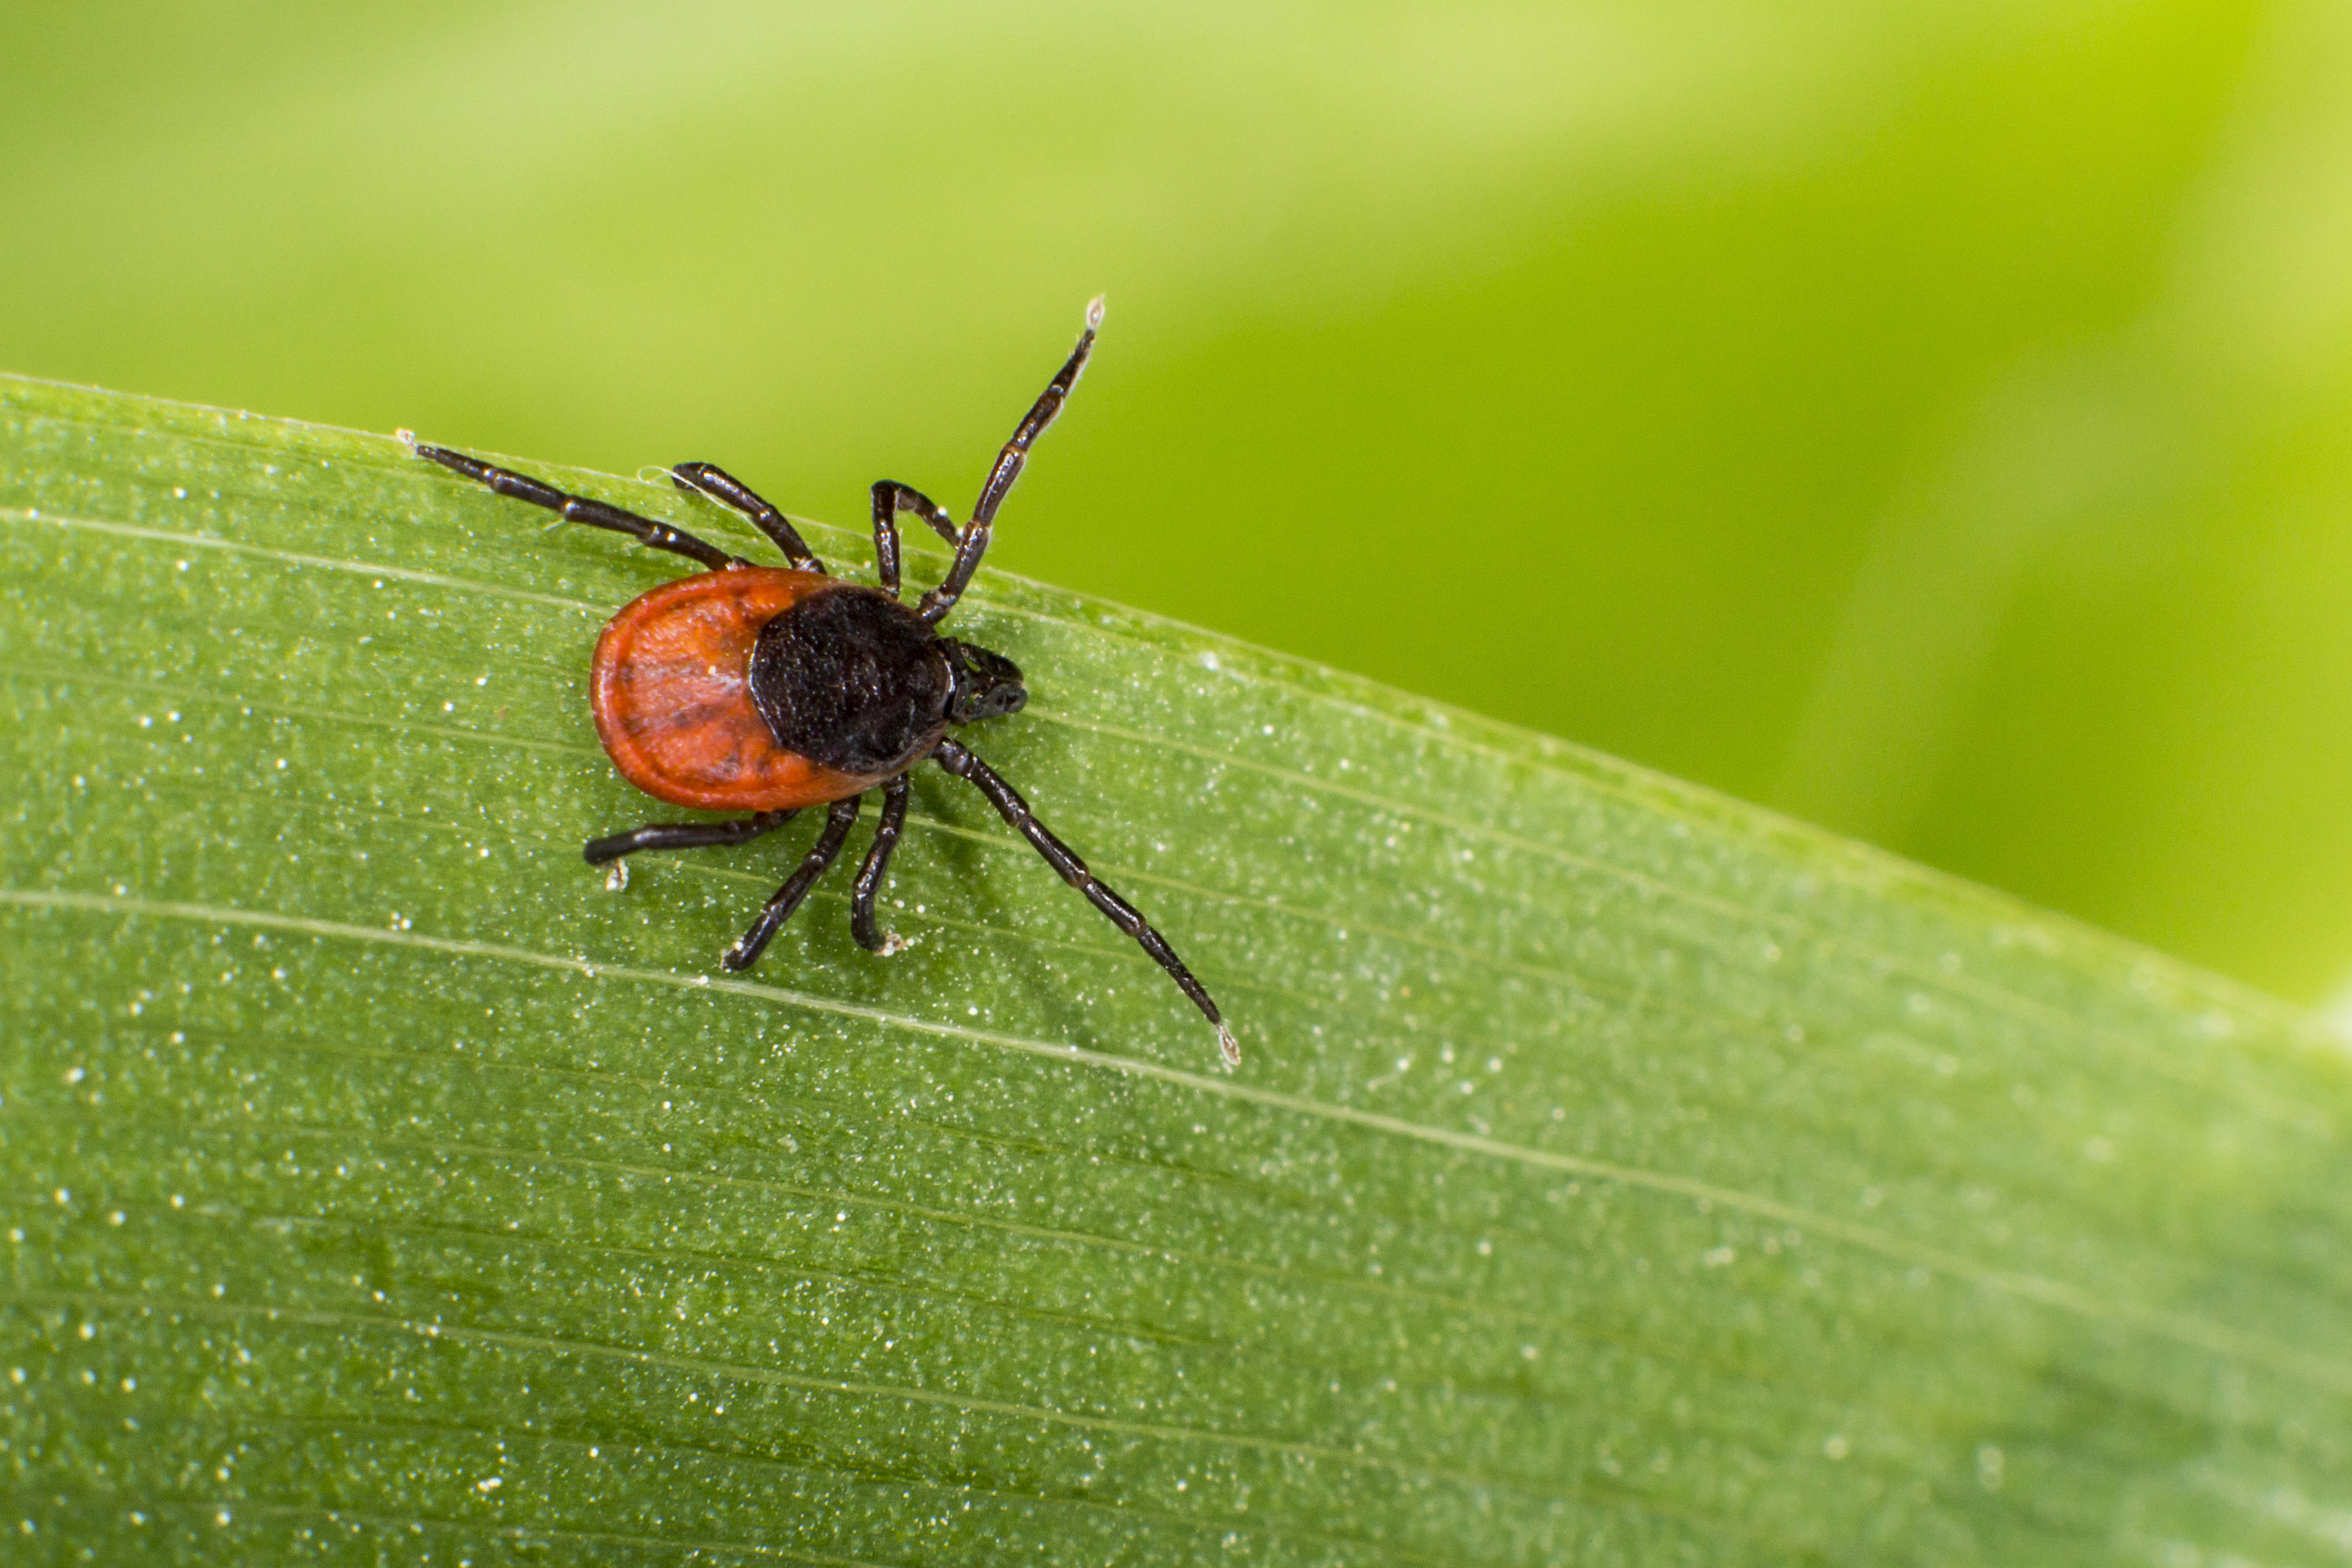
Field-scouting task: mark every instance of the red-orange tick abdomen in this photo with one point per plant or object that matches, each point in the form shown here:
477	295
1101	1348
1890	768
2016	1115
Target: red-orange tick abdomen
671	691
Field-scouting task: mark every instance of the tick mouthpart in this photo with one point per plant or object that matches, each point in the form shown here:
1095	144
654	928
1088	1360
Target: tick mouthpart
983	685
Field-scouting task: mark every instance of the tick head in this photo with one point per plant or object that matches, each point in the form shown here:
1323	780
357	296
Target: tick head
985	685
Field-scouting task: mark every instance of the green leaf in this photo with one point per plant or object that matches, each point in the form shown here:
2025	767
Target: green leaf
1616	1173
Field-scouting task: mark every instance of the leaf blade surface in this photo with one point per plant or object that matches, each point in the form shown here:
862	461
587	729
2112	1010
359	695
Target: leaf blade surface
1615	1172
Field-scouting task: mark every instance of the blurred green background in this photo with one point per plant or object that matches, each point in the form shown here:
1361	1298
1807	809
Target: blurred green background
1931	420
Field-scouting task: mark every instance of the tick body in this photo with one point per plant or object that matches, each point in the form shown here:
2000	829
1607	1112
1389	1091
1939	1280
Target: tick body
769	690
691	714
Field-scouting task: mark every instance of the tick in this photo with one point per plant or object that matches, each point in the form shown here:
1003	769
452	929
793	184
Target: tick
769	690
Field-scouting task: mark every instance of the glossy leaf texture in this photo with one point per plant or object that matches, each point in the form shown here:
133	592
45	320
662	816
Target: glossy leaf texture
1616	1173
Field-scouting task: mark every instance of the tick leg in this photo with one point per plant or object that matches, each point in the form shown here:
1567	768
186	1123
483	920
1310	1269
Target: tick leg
972	543
786	899
577	509
869	876
1058	854
725	488
890	498
685	836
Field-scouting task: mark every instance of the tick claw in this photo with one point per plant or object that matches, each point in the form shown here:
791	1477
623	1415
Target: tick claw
1230	1047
